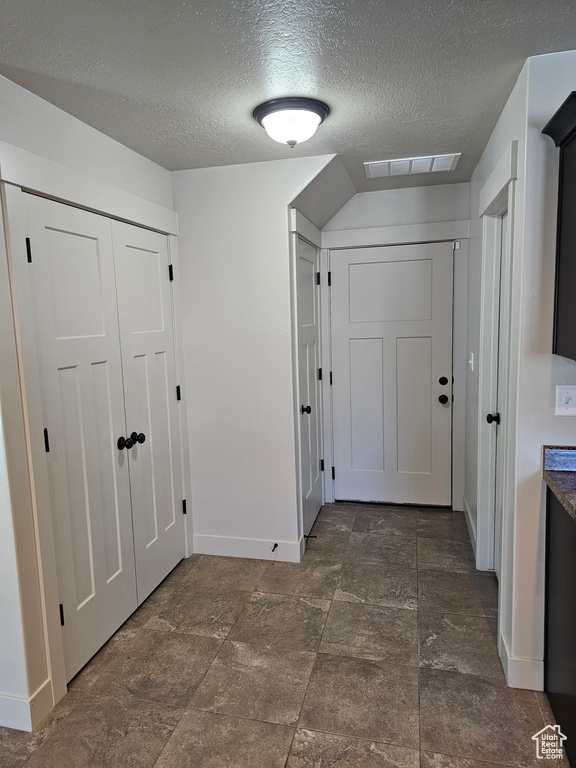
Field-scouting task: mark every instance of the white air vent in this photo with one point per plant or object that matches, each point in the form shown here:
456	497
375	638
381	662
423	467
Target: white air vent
408	166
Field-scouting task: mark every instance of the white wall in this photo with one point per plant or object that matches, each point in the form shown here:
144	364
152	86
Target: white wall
543	85
392	207
235	272
45	133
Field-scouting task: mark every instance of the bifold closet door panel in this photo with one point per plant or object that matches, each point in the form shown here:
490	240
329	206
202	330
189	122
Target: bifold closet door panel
76	328
148	359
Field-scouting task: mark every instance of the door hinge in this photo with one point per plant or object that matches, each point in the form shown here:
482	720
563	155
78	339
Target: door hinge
456	245
321	465
61	615
333	473
184	512
329	278
28	250
330	377
171	271
319	374
46	441
317	278
178	393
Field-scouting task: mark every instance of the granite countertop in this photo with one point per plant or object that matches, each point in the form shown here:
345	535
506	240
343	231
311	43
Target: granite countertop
559	472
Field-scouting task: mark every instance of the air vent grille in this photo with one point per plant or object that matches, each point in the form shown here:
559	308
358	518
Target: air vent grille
407	166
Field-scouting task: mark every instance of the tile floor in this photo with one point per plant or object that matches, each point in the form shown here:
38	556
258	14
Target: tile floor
377	651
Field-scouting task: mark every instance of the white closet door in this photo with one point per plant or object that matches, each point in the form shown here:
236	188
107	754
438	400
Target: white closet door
392	365
147	340
73	283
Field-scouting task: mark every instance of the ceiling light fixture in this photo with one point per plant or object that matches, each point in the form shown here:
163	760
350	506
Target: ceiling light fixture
291	120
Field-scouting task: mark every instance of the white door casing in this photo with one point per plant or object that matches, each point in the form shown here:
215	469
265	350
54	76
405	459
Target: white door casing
73	287
308	321
391	310
147	342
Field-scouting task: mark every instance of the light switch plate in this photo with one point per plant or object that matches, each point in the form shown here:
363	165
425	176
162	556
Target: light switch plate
565	401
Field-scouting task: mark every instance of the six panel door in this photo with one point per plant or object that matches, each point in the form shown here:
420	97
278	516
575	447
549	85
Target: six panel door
392	364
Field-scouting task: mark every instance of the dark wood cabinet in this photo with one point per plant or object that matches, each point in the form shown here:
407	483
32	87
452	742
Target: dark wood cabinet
560	647
562	129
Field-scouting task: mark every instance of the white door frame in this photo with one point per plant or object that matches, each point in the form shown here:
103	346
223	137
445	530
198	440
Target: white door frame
496	197
300	227
21	169
455	231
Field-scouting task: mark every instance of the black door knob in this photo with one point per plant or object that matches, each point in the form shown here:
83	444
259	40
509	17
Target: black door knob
141	437
306	409
493	418
443	399
124	442
443	380
137	438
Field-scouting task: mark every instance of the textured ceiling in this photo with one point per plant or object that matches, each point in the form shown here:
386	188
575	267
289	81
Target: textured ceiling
177	80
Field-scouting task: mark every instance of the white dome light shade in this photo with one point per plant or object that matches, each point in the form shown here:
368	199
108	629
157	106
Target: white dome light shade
291	120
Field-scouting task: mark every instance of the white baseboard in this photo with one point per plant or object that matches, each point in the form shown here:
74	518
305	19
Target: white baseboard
259	549
521	673
26	714
470	523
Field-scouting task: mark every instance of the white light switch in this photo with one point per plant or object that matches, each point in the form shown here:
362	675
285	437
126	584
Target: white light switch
565	401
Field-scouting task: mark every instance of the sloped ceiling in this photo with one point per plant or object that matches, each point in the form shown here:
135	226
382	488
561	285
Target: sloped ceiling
177	80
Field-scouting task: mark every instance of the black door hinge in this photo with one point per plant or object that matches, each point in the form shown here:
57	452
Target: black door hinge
184	512
319	374
317	278
321	465
61	615
46	441
178	393
330	377
333	473
171	271
329	278
28	250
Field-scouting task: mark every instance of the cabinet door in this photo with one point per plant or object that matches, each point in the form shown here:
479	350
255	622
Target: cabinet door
73	284
147	340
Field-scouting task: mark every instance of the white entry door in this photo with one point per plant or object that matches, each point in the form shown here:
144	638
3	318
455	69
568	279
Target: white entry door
392	373
73	284
310	410
147	341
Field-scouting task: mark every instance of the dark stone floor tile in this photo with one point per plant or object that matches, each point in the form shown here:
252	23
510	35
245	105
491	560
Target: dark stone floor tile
225	573
371	632
445	555
339	517
430	760
385	520
150	606
103	732
182	570
363	699
437	524
159	666
210	614
472	717
316	578
384	585
329	544
282	621
90	673
311	749
256	682
470	594
456	643
385	550
209	740
16	747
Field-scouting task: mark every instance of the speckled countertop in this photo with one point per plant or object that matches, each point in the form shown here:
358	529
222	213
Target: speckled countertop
559	471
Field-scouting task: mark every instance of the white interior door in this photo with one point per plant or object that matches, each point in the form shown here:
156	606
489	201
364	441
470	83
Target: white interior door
501	410
392	360
73	283
310	406
147	341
